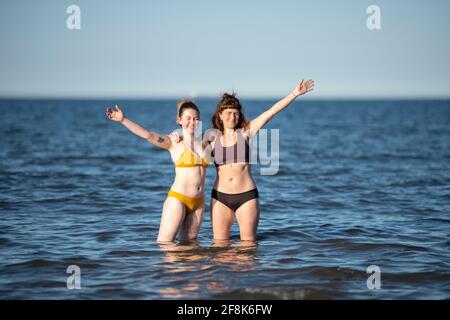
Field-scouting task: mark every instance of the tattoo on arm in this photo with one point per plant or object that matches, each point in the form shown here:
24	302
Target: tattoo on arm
160	140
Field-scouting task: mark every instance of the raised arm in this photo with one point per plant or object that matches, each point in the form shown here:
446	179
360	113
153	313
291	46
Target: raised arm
263	118
158	140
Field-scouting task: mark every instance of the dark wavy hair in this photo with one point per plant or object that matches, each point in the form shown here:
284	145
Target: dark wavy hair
228	101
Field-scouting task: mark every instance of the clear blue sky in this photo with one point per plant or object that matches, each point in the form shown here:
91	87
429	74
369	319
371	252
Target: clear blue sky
260	48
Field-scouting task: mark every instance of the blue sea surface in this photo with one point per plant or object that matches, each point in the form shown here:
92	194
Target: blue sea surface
359	183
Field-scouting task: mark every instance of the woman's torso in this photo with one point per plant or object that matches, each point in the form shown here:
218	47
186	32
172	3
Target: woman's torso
232	164
190	169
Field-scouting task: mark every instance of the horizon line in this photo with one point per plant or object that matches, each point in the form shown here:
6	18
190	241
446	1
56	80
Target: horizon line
215	97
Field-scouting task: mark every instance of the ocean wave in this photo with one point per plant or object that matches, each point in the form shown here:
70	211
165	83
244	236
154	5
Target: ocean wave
275	293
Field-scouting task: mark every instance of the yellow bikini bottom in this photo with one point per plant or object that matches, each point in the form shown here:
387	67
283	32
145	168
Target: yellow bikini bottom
190	203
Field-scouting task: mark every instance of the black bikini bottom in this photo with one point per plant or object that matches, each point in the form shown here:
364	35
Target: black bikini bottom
234	200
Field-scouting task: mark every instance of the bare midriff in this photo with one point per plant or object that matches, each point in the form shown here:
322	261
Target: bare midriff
234	178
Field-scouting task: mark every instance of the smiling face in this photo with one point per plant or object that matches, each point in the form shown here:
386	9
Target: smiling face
229	114
189	120
230	118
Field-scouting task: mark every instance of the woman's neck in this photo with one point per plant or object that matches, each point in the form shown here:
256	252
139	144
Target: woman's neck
188	137
229	132
229	136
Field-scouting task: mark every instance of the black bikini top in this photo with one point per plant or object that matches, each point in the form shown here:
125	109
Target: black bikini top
237	153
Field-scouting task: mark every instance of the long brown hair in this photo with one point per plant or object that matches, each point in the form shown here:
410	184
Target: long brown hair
184	105
228	101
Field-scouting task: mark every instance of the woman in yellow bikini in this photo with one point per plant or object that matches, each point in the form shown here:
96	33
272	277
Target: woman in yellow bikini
184	206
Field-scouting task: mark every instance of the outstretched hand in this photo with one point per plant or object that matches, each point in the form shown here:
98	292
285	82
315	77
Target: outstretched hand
115	115
303	87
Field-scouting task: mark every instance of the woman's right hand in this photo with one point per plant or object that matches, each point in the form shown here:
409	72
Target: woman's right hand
116	115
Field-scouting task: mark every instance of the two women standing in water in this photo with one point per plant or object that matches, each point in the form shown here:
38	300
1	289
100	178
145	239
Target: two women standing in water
234	193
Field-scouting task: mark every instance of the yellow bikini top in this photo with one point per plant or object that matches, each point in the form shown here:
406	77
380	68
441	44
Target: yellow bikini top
189	159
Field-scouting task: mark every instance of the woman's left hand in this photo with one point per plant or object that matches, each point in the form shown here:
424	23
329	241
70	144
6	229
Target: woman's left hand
174	137
303	87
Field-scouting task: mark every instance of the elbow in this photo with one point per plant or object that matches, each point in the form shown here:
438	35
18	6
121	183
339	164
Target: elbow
270	114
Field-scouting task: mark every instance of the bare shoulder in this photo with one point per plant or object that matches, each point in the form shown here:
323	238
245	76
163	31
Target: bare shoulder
210	137
176	145
176	149
247	132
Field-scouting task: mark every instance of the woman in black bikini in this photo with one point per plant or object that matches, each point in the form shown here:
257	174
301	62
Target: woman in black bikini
235	192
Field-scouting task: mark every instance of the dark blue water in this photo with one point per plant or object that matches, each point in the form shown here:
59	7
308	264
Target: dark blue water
359	184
